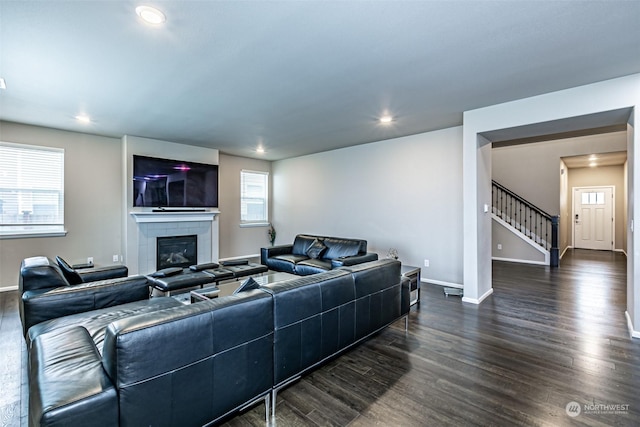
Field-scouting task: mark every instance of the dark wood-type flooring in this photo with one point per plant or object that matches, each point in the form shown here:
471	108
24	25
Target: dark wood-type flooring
545	338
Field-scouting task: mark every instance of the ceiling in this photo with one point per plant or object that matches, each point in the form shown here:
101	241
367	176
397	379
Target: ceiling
593	160
298	77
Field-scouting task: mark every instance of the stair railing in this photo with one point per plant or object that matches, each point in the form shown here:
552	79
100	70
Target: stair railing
527	218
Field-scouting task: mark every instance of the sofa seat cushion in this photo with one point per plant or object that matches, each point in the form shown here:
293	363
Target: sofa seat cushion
294	259
312	266
96	321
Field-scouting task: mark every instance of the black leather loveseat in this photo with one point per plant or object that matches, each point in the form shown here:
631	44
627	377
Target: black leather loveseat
314	254
191	365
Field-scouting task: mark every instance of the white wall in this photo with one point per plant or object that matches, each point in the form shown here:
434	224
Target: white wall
93	201
514	247
403	193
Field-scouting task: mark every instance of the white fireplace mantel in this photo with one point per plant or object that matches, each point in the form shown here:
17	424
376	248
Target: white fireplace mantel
169	216
148	226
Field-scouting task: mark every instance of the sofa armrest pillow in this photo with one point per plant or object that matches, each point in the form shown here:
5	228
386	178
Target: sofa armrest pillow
316	249
69	273
301	243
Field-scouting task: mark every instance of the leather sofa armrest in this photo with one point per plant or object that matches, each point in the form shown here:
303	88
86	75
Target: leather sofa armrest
274	251
88	394
405	296
353	260
44	304
103	273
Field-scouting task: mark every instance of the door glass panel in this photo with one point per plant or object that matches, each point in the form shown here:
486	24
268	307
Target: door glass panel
600	198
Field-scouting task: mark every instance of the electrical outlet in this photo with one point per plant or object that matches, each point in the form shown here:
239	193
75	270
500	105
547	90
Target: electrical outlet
499	246
426	263
115	258
90	260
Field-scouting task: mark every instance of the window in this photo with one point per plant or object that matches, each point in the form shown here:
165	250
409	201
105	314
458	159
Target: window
593	198
31	190
254	196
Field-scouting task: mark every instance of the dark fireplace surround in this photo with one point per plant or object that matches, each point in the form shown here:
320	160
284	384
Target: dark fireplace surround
176	251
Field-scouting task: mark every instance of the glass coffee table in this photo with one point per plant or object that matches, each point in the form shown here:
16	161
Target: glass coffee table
206	293
213	291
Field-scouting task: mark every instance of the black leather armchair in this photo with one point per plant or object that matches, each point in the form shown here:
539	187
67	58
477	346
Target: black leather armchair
45	292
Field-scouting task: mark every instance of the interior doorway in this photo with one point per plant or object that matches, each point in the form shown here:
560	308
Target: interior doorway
593	217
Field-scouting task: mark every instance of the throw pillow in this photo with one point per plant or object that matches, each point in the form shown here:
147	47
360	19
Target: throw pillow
69	273
247	285
316	249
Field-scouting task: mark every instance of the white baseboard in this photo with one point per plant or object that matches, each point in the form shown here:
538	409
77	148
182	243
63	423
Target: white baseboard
621	251
9	288
232	258
441	283
632	332
520	261
478	300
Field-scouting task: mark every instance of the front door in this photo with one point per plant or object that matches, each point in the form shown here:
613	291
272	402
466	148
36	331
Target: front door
593	218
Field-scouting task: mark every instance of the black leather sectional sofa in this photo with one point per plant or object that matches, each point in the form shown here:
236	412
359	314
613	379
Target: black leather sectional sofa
310	254
159	362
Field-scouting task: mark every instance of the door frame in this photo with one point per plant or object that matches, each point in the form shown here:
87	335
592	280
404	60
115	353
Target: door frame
613	213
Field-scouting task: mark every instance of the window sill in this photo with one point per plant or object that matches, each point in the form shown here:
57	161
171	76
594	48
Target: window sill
254	224
29	235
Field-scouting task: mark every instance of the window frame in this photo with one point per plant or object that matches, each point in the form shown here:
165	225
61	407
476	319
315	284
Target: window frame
260	222
18	229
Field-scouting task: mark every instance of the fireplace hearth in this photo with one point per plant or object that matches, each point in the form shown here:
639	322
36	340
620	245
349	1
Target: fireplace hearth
176	251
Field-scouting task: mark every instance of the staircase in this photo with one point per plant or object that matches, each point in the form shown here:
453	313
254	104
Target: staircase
526	219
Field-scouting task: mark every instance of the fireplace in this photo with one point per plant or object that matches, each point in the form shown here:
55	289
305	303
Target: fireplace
176	251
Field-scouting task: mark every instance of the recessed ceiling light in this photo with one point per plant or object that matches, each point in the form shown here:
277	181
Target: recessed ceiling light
150	15
260	149
593	157
83	118
3	84
385	120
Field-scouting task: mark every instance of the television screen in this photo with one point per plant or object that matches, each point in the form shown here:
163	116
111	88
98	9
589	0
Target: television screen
163	183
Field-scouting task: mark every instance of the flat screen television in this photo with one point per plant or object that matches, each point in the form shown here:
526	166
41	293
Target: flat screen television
161	183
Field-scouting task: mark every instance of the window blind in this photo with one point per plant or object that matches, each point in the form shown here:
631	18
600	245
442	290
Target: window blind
31	189
254	197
